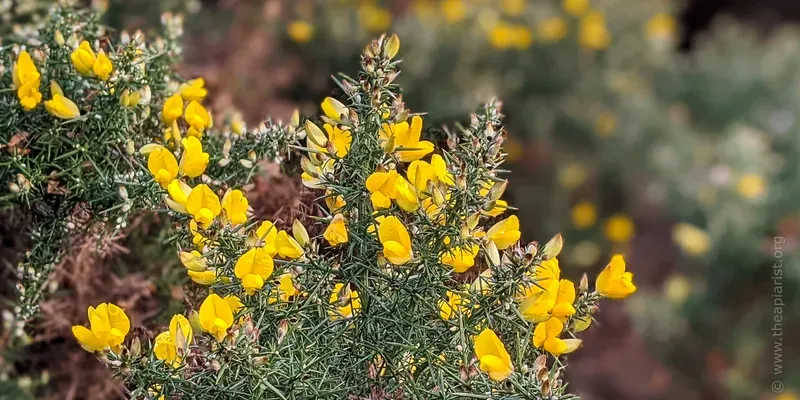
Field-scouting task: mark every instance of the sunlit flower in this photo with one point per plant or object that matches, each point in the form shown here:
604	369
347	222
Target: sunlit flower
584	215
546	334
287	246
333	109
381	187
614	282
62	107
163	165
339	139
235	206
692	240
336	232
419	173
619	228
552	29
83	58
197	116
505	233
173	109
396	242
346	303
492	355
172	346
593	33
216	316
178	194
254	267
407	145
405	195
102	66
108	326
300	31
538	306
234	303
194	90
194	161
460	258
203	204
543	275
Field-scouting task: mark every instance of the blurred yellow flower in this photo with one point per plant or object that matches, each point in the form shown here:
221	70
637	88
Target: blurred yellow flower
575	8
235	206
346	303
572	176
751	186
584	215
163	165
605	124
593	33
546	334
336	232
108	326
492	355
173	109
619	228
254	267
505	233
513	8
62	107
130	98
452	306
194	90
83	59
692	240
102	66
552	29
677	288
300	31
335	202
203	204
505	36
285	290
374	18
396	241
453	10
194	161
661	26
216	316
613	281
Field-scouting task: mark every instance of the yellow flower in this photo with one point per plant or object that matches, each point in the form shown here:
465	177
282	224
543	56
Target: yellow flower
193	261
108	326
453	10
513	8
538	307
163	165
173	109
25	71
287	246
605	124
62	107
333	109
419	173
171	346
254	267
544	275
216	316
374	18
505	233
751	186
440	171
453	305
565	297
501	36
204	278
552	29
619	228
576	8
405	195
614	282
335	202
285	290
197	116
314	178
677	288
83	58
381	186
29	95
235	205
584	215
691	239
336	232
340	139
546	334
102	66
592	32
237	123
194	90
130	98
408	147
396	242
194	161
460	258
492	355
197	238
233	302
203	204
300	31
572	175
267	234
178	194
661	26
346	302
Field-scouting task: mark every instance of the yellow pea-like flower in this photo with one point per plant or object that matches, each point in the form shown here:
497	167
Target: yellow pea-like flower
203	204
25	71
336	232
254	267
346	302
333	109
381	186
556	301
505	233
340	139
460	258
452	306
193	261
194	90
267	235
172	110
197	116
408	146
29	95
130	98
178	195
235	206
83	59
546	335
234	303
204	278
405	195
172	345
613	281
62	107
492	355
285	290
108	326
102	66
216	316
396	241
543	275
194	161
163	165
419	173
334	202
440	171
565	298
287	246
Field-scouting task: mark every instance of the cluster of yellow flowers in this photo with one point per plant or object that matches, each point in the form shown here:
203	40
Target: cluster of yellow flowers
27	80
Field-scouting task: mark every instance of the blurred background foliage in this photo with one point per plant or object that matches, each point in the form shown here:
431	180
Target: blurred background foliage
665	130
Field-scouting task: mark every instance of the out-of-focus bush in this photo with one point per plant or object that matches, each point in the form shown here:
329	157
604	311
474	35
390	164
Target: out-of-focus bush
688	161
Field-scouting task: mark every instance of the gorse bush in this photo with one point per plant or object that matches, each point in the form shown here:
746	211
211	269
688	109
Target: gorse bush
410	282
